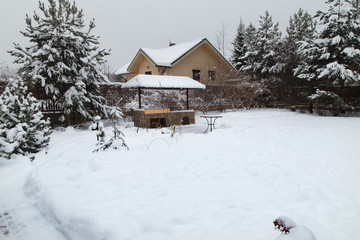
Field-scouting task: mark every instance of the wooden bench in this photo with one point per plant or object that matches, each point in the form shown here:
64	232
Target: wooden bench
156	110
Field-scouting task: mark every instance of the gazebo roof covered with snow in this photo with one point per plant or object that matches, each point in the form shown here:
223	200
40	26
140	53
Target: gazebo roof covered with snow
142	81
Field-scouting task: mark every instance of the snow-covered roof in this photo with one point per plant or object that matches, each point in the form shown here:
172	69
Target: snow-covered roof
167	56
110	83
162	81
163	56
123	70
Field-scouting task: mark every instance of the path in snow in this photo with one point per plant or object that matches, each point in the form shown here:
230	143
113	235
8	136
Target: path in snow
20	219
11	226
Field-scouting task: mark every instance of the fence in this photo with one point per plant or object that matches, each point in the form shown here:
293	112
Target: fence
50	106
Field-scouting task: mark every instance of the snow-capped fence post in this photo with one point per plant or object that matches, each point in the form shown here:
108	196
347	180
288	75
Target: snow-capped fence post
97	121
98	126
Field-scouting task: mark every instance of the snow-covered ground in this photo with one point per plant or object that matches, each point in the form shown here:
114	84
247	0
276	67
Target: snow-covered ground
228	184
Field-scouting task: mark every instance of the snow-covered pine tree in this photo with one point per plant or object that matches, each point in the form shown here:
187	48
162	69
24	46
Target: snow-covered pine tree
301	28
260	57
251	54
269	38
22	129
6	73
333	57
63	60
356	5
239	47
117	140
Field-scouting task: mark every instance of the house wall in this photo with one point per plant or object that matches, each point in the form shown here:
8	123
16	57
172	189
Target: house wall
143	65
146	66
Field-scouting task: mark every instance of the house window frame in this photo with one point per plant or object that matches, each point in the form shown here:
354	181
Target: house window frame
196	74
148	73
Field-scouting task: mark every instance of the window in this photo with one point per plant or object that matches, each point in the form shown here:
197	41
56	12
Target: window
211	75
148	73
196	74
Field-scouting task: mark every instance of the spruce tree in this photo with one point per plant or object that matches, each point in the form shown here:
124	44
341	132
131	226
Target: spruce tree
239	50
62	63
333	57
251	54
269	36
22	129
301	28
260	57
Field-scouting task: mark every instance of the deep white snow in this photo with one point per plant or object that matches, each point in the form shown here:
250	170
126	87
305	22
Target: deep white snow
228	184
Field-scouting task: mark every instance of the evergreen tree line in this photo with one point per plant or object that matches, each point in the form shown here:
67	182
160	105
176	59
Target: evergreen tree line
319	53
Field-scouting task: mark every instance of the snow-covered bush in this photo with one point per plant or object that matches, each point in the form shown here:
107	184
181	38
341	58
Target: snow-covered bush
326	100
22	127
242	93
200	104
117	140
290	231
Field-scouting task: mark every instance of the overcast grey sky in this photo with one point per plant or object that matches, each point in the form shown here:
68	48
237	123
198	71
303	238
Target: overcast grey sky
126	25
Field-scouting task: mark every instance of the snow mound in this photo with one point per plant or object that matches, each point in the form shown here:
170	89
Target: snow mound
298	233
291	231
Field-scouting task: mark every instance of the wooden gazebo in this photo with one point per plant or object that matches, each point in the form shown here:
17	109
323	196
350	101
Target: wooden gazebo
162	117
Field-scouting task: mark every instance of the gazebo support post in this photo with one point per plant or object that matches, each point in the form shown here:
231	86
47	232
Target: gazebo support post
187	99
139	98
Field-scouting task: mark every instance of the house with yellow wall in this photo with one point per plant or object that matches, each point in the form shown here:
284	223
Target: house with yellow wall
198	59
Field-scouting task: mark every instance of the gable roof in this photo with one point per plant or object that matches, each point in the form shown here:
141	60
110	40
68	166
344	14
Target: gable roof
169	56
123	70
165	57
